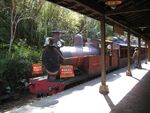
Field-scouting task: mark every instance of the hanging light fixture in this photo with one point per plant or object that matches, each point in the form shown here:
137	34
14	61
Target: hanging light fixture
113	3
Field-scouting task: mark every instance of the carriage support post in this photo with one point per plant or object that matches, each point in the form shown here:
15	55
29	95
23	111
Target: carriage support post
148	51
139	54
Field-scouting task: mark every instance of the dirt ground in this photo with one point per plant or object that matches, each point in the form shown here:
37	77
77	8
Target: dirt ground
22	100
137	100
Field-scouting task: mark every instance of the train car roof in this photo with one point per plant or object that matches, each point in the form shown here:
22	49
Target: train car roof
132	45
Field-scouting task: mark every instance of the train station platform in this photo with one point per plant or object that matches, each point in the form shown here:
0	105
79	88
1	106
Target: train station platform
124	95
137	100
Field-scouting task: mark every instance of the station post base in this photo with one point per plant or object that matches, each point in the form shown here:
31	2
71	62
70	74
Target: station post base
139	66
146	61
104	89
128	73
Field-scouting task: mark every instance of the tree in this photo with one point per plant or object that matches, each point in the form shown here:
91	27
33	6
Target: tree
22	10
4	20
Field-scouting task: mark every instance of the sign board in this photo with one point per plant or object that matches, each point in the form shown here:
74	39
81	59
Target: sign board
66	71
37	69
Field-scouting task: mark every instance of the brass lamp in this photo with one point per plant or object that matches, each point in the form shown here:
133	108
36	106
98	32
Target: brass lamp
113	3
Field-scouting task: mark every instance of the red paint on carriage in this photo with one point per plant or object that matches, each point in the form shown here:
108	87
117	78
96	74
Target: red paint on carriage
38	86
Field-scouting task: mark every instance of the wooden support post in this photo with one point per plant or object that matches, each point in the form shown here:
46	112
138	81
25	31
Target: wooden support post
148	50
128	73
103	88
139	53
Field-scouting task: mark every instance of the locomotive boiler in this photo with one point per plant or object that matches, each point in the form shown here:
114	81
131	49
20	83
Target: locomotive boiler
76	55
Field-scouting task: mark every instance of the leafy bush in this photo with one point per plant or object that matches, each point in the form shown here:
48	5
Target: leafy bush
18	66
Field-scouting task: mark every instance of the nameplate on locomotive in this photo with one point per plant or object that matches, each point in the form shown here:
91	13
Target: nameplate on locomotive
66	71
37	69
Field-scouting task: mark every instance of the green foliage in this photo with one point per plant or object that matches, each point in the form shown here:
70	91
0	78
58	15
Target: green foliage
93	28
109	30
46	17
18	66
4	20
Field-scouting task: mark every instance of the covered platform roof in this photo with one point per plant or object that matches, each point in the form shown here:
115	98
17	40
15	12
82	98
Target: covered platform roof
133	14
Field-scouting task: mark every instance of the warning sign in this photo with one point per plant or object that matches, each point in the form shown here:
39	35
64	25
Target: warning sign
66	71
37	69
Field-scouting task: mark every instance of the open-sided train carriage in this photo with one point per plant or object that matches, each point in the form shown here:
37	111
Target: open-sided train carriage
123	54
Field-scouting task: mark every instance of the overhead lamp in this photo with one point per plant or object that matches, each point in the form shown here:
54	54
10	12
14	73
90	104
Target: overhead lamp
142	28
113	3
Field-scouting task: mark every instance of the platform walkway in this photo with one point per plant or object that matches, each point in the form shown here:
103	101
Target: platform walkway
85	98
137	100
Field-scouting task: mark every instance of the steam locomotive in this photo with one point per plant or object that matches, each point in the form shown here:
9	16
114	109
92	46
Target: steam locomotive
86	63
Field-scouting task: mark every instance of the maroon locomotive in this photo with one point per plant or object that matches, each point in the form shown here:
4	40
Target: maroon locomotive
86	62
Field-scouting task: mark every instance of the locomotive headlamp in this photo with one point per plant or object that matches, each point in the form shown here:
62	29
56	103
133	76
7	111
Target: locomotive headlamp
113	3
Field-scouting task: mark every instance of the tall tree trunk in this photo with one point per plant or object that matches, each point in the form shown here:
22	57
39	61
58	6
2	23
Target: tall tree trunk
13	33
12	26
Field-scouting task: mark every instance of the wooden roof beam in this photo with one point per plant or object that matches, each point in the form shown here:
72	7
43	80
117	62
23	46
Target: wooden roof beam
57	1
83	3
125	27
126	12
71	4
138	26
